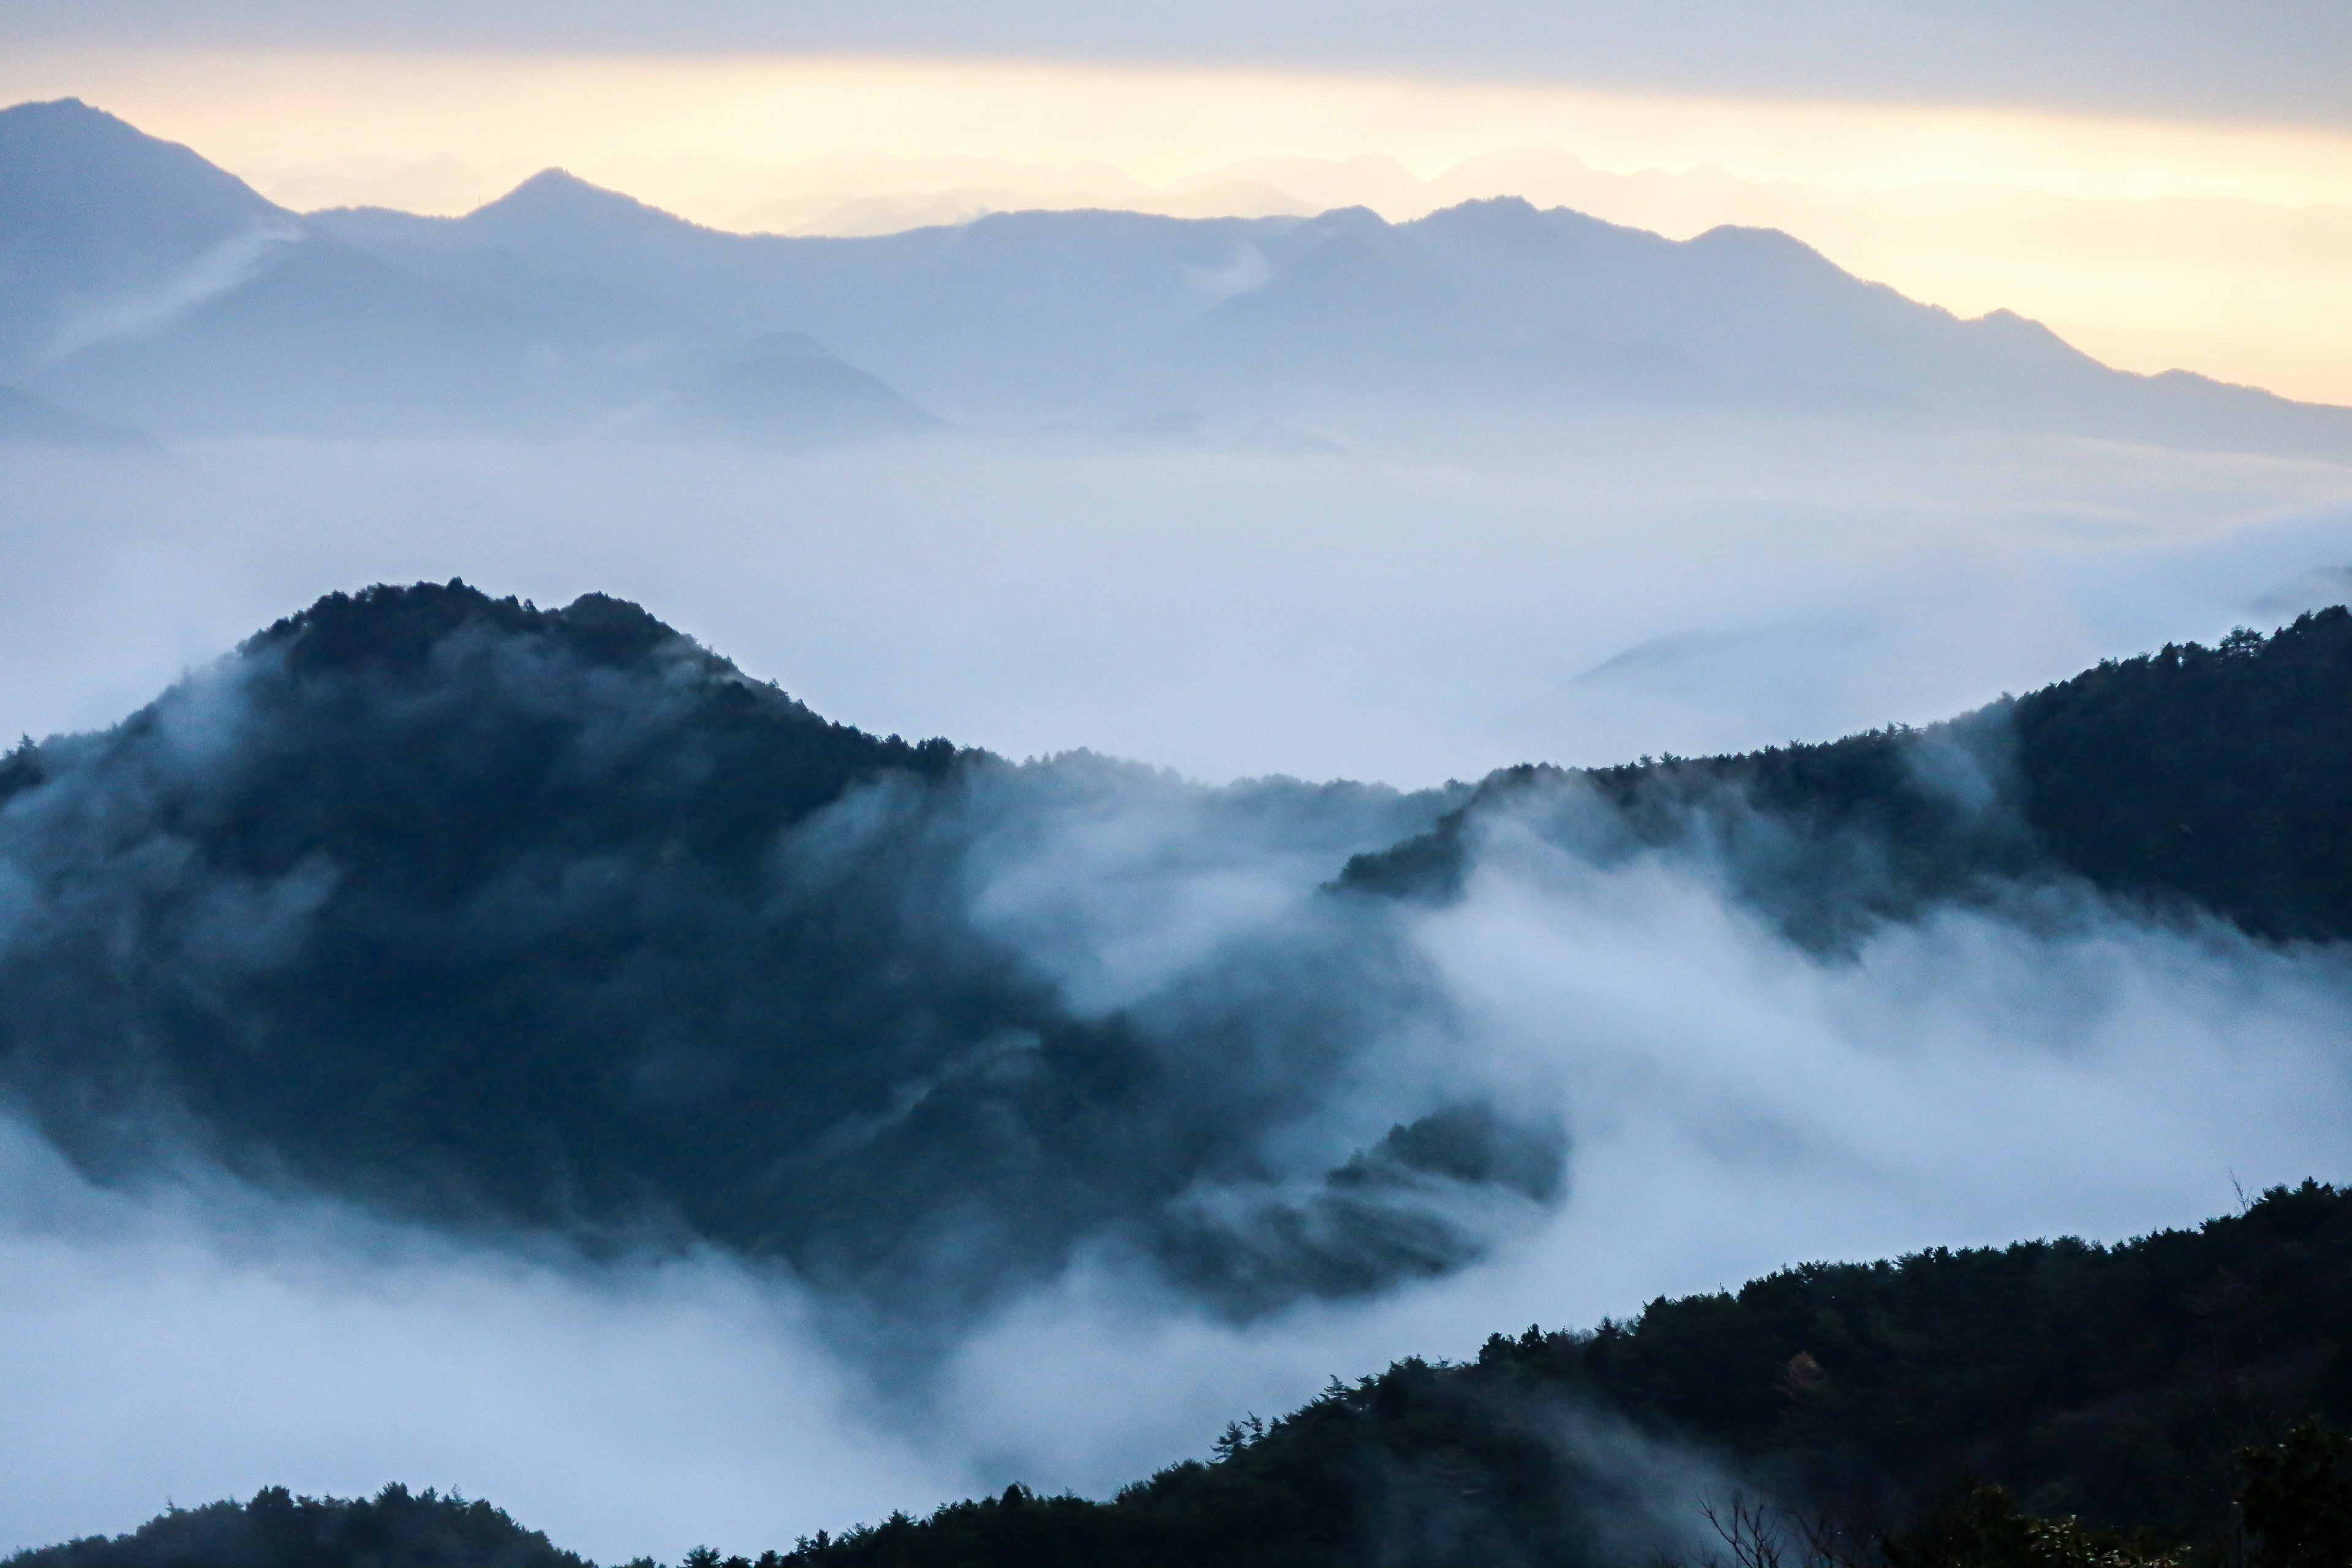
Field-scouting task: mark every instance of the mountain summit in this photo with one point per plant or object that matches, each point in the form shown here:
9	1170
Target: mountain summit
146	296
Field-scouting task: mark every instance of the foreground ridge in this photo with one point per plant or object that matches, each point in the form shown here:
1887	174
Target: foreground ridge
2113	1384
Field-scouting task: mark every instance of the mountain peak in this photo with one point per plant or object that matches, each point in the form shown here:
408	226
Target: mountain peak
558	196
400	624
67	167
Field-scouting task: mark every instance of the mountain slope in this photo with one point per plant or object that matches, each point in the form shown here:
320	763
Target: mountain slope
144	286
1120	315
2114	1383
2212	778
326	340
2111	1383
502	917
93	212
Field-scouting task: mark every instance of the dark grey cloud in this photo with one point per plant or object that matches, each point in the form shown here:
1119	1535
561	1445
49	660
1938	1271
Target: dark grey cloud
2265	59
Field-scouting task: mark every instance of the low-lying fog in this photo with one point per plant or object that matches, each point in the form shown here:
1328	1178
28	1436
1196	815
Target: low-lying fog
1735	1104
1574	594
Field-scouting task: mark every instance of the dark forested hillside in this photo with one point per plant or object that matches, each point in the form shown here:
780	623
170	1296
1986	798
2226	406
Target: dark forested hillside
2216	777
503	916
2112	1385
509	917
395	1529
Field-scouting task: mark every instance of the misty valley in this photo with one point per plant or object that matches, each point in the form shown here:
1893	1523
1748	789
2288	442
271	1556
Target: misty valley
867	1020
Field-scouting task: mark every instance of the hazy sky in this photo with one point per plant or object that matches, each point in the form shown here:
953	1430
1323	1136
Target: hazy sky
2167	185
2267	61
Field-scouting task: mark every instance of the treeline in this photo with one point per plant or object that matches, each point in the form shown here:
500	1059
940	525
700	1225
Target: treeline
2219	777
2048	1405
395	1529
2114	1385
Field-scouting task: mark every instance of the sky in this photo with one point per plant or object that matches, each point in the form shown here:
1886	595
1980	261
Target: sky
2168	186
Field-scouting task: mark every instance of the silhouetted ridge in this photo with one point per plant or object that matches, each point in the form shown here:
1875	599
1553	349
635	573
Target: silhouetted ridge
2139	1388
564	306
401	625
501	916
395	1529
2113	1384
2220	777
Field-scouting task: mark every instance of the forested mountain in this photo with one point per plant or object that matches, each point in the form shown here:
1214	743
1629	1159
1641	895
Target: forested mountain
506	917
149	289
2212	778
395	1529
510	917
2113	1386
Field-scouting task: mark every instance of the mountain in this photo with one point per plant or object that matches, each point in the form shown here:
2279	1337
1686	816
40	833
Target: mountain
1491	304
148	288
2190	779
395	1529
95	216
504	917
2109	1390
2111	1384
786	390
145	289
324	341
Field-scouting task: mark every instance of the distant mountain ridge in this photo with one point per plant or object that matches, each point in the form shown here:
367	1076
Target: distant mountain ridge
152	291
560	304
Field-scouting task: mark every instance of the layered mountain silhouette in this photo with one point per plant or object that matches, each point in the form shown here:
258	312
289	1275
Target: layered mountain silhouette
153	291
509	917
150	287
2193	779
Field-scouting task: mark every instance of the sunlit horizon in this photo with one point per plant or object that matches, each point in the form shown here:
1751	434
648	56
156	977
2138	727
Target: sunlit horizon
2214	246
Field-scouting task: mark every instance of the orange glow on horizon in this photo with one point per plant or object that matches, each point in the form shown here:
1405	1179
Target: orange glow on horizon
2107	229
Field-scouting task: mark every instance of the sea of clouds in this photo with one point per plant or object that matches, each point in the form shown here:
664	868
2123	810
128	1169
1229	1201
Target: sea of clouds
1734	1102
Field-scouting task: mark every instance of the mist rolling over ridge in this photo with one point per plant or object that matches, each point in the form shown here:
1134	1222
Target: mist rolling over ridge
549	930
942	864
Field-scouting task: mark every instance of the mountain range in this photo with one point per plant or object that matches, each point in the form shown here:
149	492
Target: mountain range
150	290
553	921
